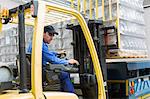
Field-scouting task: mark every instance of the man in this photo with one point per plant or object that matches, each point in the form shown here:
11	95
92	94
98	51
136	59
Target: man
50	56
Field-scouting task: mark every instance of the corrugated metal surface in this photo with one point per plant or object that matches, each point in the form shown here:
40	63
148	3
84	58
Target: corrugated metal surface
147	27
9	3
146	2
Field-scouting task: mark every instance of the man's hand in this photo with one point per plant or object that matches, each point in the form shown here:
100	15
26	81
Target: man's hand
73	61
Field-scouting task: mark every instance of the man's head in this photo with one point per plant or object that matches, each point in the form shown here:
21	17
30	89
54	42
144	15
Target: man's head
49	33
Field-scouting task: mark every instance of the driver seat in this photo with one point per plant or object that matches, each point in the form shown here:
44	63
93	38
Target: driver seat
52	81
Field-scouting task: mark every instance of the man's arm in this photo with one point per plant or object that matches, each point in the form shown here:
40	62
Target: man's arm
53	52
52	58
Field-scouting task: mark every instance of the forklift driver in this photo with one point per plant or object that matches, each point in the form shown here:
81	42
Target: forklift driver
50	56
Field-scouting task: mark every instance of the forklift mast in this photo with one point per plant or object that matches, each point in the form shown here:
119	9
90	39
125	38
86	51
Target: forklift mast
88	82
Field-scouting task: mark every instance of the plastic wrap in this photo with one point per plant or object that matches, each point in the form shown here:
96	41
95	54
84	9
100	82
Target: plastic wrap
130	30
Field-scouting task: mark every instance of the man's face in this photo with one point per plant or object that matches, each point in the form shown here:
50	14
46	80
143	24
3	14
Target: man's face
48	37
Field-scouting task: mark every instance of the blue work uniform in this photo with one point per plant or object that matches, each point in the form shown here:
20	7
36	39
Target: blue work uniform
51	56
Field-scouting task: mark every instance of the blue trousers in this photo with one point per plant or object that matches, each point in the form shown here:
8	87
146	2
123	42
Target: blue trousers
66	83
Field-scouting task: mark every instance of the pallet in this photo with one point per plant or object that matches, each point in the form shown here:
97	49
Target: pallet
126	54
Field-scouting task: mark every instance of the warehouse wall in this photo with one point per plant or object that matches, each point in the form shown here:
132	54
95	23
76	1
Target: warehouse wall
9	43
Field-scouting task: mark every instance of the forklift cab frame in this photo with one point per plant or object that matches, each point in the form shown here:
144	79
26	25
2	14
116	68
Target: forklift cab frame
36	59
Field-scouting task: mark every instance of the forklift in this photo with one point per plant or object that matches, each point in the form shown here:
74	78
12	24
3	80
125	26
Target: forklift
91	81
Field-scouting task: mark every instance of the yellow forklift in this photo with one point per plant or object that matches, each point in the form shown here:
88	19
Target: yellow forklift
40	13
